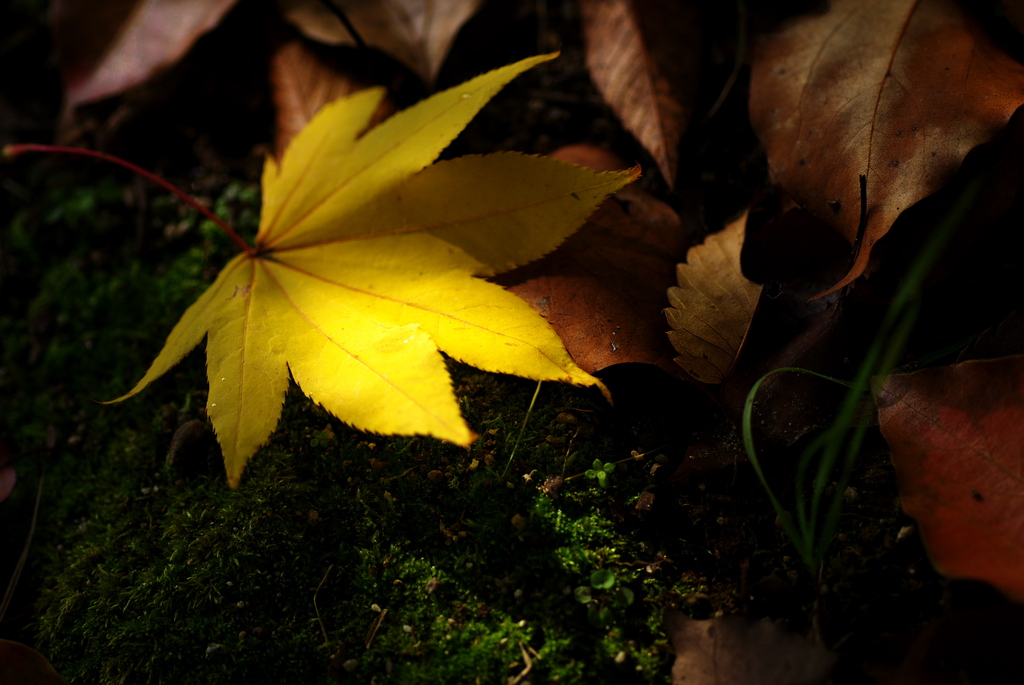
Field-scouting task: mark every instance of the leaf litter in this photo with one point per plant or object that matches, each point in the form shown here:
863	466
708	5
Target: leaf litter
782	330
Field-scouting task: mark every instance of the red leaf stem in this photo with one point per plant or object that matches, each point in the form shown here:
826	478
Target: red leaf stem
12	151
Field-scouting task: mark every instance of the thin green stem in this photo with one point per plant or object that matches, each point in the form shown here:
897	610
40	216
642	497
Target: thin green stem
12	151
522	429
836	445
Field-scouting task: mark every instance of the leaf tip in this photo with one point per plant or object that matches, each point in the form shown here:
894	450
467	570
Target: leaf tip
463	436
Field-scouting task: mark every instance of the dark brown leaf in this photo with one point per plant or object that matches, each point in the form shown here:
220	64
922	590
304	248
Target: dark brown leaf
643	56
897	91
966	647
1004	340
302	81
22	665
107	47
417	33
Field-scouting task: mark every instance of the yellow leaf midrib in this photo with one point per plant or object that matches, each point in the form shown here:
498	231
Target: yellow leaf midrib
244	351
295	187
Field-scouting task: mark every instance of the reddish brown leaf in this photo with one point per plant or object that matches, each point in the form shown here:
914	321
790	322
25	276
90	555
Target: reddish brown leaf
22	665
604	288
733	650
899	91
417	33
107	47
302	82
957	440
643	56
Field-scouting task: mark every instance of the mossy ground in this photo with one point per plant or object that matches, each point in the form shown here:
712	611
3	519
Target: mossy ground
427	562
148	569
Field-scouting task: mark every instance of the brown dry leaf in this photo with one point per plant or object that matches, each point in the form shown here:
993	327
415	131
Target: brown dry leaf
1003	340
22	665
955	436
897	90
978	646
417	33
107	47
713	305
643	56
301	82
733	650
603	289
1014	11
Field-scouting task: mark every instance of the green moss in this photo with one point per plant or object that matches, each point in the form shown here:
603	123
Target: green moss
161	567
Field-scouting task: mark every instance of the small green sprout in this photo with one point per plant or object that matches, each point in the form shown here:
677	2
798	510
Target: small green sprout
600	472
599	608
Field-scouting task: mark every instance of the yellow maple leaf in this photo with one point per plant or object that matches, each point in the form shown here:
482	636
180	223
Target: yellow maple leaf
367	263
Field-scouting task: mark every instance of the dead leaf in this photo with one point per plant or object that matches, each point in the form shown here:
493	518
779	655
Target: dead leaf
955	436
22	665
603	289
733	650
981	646
1004	340
897	91
796	246
789	405
417	33
644	56
107	47
8	477
301	82
1014	11
365	267
713	305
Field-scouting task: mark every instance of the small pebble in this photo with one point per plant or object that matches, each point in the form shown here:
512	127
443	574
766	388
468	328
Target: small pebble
905	532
